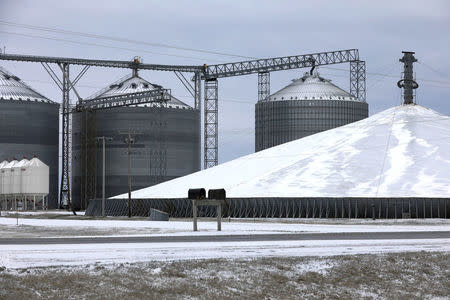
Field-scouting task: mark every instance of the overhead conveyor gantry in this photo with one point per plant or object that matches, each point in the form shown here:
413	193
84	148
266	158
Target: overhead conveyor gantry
159	96
263	67
134	64
208	73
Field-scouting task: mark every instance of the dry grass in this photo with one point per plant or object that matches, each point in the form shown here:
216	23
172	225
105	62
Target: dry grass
390	276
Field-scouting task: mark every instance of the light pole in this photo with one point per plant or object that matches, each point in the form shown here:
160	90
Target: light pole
129	140
104	139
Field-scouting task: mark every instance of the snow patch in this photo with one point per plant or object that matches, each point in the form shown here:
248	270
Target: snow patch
319	266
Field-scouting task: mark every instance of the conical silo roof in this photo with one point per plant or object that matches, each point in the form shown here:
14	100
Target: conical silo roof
134	84
12	88
400	152
23	162
11	164
36	163
3	163
311	87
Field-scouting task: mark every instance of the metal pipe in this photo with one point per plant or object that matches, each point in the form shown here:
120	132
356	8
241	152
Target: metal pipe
103	138
129	176
103	180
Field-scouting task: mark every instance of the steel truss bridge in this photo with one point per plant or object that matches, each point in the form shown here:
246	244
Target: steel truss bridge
209	74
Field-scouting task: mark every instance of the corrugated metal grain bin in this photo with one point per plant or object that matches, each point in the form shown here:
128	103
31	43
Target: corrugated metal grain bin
307	106
166	143
29	126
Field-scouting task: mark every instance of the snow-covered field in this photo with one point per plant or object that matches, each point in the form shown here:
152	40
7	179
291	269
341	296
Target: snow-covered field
220	270
41	227
44	213
21	256
25	256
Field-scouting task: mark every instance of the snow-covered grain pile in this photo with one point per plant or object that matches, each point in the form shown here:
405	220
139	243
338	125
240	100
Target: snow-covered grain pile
403	151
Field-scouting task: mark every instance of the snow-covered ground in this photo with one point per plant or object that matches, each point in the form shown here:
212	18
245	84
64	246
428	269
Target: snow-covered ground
87	227
24	256
21	256
58	212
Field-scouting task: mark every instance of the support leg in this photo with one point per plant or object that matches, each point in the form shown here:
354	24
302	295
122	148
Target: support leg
211	141
263	93
198	105
219	217
358	79
65	157
194	214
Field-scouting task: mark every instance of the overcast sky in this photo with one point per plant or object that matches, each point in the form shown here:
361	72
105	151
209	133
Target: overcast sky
379	29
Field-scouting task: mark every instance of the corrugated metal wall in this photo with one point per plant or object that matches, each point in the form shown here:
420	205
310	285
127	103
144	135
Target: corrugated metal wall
29	128
314	207
179	136
278	122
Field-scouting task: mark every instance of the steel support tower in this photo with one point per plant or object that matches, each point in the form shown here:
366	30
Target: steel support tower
263	85
211	138
65	151
358	79
198	105
263	90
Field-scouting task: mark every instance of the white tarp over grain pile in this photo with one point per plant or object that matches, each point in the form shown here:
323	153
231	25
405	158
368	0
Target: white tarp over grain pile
403	151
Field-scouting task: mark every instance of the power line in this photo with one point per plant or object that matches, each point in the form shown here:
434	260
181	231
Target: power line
203	59
388	75
51	82
178	96
118	39
100	45
224	99
161	45
433	69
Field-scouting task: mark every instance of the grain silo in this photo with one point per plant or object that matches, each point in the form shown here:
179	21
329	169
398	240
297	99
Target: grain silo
29	124
165	143
308	105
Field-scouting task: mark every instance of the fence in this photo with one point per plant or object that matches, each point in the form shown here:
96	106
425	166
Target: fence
379	208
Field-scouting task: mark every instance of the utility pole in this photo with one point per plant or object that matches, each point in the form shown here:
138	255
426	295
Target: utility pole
129	140
104	139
